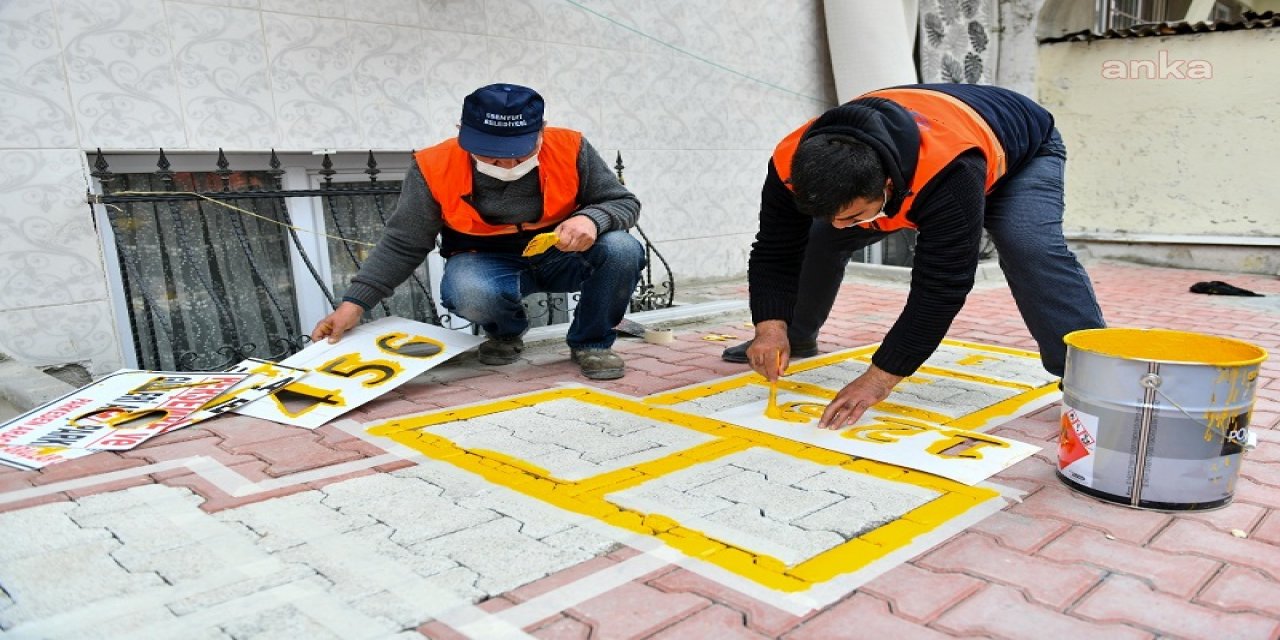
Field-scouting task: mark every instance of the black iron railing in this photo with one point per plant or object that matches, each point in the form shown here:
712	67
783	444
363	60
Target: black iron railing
204	258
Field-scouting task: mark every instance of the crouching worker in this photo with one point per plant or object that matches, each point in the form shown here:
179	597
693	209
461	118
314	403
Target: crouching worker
946	160
504	179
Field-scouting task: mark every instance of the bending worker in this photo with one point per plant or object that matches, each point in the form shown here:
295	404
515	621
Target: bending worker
504	179
947	160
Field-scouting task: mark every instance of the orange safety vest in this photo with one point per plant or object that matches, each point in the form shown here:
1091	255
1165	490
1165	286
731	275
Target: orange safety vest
446	168
948	128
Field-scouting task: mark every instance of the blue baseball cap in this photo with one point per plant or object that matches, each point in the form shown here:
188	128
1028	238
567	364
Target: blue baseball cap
501	121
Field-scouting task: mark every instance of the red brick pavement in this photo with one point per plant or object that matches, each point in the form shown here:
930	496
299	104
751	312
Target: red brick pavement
1055	565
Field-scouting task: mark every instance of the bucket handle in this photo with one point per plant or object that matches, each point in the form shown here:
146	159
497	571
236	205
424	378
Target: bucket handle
1152	381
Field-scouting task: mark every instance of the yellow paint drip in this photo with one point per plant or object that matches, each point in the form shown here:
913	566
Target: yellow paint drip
1163	345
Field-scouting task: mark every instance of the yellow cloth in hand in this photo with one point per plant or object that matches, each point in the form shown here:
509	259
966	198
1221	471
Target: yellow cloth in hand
540	243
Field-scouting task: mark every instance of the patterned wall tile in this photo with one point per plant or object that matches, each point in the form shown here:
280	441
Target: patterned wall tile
707	258
61	334
312	8
636	108
401	12
120	68
35	109
572	100
234	4
390	85
226	89
454	65
526	62
467	16
553	21
311	78
691	195
49	252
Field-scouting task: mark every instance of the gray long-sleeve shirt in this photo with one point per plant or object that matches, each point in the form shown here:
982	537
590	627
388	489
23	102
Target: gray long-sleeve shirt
411	231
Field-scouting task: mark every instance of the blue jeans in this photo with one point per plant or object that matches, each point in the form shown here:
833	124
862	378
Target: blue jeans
487	288
1024	217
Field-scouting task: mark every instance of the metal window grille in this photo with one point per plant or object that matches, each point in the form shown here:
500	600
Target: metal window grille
206	286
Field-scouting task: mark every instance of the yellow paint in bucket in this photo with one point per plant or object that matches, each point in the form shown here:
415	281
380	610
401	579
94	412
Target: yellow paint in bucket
1164	345
1154	418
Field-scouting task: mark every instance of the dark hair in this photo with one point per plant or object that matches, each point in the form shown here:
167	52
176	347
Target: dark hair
831	170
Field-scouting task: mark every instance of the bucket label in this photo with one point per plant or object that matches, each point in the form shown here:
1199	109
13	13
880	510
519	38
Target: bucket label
1076	445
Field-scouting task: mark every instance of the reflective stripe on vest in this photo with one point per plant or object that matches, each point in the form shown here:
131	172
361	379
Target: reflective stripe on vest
447	168
948	127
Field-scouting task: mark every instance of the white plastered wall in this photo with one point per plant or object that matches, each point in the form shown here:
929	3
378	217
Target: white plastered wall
695	111
1172	170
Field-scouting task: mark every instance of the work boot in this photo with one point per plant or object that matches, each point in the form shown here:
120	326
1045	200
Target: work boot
500	350
599	364
799	349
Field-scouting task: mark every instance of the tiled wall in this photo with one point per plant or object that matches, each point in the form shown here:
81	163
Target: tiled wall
379	74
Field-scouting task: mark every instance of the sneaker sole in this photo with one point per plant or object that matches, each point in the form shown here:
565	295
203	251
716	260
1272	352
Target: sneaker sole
497	362
606	374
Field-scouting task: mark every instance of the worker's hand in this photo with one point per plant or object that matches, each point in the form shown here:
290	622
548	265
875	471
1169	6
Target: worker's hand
858	396
347	315
578	233
770	351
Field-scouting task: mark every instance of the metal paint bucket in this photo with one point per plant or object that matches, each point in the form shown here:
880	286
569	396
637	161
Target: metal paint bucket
1156	419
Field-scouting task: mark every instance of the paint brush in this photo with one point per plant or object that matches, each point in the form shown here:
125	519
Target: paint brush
772	410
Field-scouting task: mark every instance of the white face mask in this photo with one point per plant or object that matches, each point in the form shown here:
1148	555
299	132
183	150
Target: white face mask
881	214
508	175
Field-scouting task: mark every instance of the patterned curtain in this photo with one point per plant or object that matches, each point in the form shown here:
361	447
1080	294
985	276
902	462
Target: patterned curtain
957	42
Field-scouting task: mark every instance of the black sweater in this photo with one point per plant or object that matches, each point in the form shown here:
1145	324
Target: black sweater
948	214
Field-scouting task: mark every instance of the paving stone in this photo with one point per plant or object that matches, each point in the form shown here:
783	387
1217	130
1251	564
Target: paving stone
1265	473
560	578
18	505
43	530
501	556
1128	600
717	402
292	454
947	396
216	499
990	365
1003	612
240	431
293	520
1020	532
1260	494
1053	583
1062	504
1244	590
40	583
715	621
1269	529
562	628
1177	574
279	622
361	562
92	465
734	499
572	440
860	616
210	447
919	594
1185	536
413	508
109	487
760	616
634	610
148	518
1237	515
